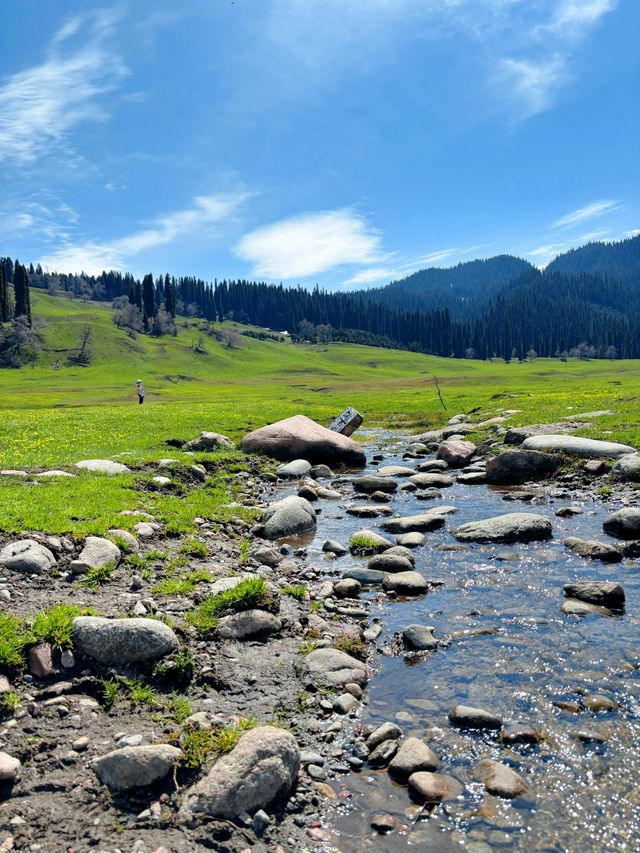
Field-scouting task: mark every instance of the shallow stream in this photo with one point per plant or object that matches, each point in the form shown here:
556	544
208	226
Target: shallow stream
584	795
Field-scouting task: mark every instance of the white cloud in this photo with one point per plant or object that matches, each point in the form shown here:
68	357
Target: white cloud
93	256
39	105
309	244
373	275
532	84
633	232
589	211
573	18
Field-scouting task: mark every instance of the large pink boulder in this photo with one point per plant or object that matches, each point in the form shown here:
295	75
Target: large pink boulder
301	438
456	452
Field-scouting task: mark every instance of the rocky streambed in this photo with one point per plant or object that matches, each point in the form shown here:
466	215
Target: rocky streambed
412	656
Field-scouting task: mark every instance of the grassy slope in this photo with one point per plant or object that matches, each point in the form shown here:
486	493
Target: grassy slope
52	417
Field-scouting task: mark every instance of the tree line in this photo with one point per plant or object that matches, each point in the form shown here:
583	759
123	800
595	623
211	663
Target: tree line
538	313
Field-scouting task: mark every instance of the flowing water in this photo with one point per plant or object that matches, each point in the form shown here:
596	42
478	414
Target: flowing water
583	795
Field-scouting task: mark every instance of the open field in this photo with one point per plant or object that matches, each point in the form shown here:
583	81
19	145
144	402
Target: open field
53	416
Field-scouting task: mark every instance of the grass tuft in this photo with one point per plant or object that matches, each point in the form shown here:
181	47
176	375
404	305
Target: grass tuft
194	548
198	744
247	594
297	592
14	639
55	625
97	577
183	584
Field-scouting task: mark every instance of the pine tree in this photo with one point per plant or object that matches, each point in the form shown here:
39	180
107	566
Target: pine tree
148	299
170	300
4	296
21	290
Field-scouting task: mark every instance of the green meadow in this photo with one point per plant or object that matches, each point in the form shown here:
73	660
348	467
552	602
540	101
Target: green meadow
54	414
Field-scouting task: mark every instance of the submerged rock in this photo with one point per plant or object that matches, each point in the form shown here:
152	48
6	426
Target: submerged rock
593	549
607	593
413	756
500	780
466	717
434	787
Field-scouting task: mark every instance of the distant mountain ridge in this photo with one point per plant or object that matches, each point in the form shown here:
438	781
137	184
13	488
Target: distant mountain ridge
469	287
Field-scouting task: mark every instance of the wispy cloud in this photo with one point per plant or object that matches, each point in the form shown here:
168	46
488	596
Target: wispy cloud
94	256
309	244
403	268
39	105
632	232
532	84
572	18
589	211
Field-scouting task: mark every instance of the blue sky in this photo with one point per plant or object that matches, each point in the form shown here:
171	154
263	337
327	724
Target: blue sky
344	142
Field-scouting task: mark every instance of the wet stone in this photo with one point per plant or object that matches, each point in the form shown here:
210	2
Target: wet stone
414	755
434	787
607	593
515	733
500	780
467	717
382	754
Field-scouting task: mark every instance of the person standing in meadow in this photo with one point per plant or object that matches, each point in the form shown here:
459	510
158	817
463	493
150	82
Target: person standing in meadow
140	391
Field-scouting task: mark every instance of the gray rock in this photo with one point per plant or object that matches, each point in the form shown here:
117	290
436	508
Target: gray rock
209	441
624	523
248	624
386	731
368	510
516	435
145	529
125	536
345	703
10	768
28	556
333	547
335	668
161	481
347	588
366	542
396	471
520	733
405	583
371	484
575	607
135	766
434	787
500	780
456	453
466	717
431	481
53	474
607	593
366	577
300	437
260	769
386	562
627	468
573	445
520	466
402	551
432	520
412	540
103	466
420	638
472	478
413	756
432	466
593	549
294	470
267	556
512	527
121	641
97	552
288	517
321	472
383	753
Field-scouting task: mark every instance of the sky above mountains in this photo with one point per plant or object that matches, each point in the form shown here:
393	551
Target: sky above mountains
343	142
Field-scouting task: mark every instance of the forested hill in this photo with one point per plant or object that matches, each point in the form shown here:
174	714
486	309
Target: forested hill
614	260
462	289
548	313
